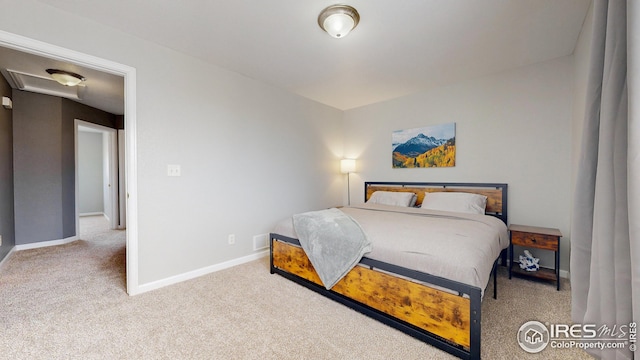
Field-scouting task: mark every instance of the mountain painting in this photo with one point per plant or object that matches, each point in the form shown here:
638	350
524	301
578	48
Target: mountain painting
432	146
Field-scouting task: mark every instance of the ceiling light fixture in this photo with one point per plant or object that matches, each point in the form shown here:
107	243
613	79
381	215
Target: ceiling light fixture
338	20
66	78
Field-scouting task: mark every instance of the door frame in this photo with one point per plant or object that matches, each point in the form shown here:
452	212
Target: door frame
111	166
43	49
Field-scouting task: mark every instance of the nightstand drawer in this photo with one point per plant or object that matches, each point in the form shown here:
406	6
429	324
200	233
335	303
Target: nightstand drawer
539	241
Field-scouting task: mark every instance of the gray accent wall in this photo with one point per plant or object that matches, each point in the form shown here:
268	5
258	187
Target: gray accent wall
37	148
7	230
44	164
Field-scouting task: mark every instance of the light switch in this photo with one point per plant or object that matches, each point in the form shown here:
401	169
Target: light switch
173	170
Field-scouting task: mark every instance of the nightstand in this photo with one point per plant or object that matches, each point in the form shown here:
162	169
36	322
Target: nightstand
534	237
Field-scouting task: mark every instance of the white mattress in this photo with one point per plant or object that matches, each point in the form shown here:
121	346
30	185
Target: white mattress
456	246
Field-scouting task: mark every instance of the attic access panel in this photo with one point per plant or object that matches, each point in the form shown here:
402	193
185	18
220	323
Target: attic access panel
43	85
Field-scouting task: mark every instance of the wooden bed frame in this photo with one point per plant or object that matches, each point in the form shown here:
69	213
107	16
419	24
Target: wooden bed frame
408	300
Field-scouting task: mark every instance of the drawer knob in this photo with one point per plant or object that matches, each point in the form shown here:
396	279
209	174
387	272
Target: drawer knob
533	239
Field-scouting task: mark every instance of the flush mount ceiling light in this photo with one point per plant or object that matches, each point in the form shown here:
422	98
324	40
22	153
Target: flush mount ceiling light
338	20
66	78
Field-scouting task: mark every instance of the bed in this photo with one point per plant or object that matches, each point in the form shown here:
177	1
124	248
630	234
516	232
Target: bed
440	307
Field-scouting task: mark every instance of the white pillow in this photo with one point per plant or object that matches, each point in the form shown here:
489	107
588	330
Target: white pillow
399	198
455	201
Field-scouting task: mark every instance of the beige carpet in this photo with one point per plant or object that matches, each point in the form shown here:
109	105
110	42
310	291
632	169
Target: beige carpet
69	302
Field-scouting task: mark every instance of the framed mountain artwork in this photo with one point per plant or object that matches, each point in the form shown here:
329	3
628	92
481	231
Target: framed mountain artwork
431	146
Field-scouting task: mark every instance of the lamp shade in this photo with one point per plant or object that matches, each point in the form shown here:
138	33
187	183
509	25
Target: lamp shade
347	166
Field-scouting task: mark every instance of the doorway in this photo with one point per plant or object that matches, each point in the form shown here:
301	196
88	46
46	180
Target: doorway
46	50
97	182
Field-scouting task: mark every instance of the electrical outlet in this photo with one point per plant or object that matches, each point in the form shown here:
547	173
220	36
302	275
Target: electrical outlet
232	239
260	242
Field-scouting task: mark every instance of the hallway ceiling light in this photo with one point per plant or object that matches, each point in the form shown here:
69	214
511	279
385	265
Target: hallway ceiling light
66	78
338	20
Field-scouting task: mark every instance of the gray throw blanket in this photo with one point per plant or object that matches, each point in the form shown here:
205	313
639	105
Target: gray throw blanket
333	242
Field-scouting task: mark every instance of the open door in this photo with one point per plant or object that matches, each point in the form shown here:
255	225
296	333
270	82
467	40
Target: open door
122	184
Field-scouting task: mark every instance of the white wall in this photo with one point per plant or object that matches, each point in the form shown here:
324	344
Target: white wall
90	173
513	127
251	154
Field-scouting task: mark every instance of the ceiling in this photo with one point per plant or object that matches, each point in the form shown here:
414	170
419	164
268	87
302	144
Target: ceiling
100	90
399	47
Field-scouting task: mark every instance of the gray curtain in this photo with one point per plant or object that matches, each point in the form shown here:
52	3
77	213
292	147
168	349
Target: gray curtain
605	239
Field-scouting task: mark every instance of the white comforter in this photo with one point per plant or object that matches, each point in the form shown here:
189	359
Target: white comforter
456	246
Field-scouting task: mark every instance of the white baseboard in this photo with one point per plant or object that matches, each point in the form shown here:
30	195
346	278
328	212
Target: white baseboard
92	214
45	243
7	256
200	272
